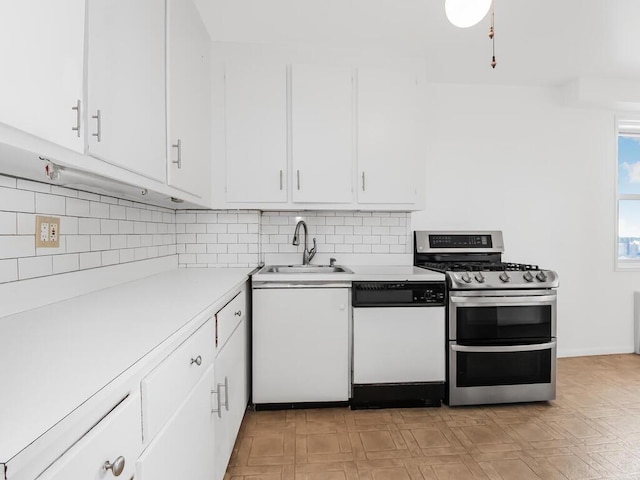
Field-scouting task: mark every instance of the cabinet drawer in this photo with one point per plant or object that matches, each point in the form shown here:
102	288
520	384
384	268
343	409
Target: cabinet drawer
229	317
116	435
169	383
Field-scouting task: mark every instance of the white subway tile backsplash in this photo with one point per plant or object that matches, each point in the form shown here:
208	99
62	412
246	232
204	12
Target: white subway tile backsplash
30	267
127	255
94	230
33	186
78	243
12	200
88	196
77	207
100	242
8	223
245	237
8	181
16	246
66	263
88	226
27	223
8	269
117	212
99	209
50	204
108	226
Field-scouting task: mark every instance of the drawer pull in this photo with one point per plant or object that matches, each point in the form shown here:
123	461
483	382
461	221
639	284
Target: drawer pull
197	360
226	393
238	313
217	394
117	467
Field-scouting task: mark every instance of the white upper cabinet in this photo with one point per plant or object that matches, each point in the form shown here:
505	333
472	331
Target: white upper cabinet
126	85
189	99
42	52
255	132
321	133
387	137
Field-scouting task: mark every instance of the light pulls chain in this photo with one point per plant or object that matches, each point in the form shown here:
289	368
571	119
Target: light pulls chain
492	37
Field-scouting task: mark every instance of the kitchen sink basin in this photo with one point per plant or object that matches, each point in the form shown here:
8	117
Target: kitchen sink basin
306	269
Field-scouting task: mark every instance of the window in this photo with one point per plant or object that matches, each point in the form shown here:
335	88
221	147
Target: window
628	194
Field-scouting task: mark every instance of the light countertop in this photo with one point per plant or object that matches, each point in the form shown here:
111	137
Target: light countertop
361	273
54	358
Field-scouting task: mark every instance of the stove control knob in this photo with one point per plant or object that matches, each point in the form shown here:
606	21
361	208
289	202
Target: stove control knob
528	276
479	277
465	277
542	276
504	276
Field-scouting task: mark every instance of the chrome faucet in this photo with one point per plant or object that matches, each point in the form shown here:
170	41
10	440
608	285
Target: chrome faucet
307	254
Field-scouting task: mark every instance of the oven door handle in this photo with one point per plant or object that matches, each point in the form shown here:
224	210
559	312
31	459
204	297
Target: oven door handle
509	348
498	301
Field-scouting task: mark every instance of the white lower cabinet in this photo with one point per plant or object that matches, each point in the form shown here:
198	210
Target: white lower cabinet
183	448
300	345
231	397
109	449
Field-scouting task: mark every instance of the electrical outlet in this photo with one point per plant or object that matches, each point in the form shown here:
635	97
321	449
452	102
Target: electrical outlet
47	232
44	232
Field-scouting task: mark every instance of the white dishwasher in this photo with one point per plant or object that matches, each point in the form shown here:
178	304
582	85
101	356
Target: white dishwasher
398	344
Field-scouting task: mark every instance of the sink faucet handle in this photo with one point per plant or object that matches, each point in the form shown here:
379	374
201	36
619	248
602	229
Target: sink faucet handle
332	262
312	252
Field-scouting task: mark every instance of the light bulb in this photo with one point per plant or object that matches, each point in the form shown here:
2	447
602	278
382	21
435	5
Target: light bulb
466	13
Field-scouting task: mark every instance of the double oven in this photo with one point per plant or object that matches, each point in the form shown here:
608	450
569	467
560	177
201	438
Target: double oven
501	319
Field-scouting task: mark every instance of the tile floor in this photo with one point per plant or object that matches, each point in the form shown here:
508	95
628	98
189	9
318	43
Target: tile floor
592	431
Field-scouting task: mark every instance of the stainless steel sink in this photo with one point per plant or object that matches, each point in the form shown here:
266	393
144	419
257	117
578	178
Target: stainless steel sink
306	269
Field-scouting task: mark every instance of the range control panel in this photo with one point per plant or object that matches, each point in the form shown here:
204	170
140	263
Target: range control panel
398	294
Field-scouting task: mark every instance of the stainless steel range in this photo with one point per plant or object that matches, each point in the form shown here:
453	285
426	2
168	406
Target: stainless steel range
501	319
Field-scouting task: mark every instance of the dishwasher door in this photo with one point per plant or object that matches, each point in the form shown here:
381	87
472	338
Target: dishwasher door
398	345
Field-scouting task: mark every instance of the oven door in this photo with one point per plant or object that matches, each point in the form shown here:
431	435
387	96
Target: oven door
502	317
501	374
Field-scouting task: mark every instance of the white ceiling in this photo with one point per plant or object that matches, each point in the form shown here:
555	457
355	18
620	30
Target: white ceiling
539	42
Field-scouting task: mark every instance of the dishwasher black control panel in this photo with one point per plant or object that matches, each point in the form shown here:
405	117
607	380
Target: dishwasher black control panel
398	294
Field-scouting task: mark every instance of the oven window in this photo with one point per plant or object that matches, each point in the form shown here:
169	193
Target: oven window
503	368
499	324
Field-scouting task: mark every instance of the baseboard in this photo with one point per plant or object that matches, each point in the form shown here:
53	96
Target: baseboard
36	292
587	352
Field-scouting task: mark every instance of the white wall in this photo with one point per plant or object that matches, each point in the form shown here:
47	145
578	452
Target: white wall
514	159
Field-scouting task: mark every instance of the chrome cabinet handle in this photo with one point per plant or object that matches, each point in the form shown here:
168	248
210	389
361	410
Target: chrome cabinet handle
226	393
179	147
197	360
238	313
217	392
298	175
280	179
98	118
363	183
77	127
116	467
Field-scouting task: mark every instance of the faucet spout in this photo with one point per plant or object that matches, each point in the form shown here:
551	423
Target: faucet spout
307	254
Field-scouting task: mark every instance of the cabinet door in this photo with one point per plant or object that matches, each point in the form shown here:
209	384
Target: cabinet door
42	51
189	99
126	85
231	381
300	345
321	133
183	449
387	142
256	132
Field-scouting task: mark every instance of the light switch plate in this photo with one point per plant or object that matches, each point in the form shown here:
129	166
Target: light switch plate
47	232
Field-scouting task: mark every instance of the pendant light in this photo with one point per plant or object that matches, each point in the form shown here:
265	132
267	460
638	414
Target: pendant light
466	13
